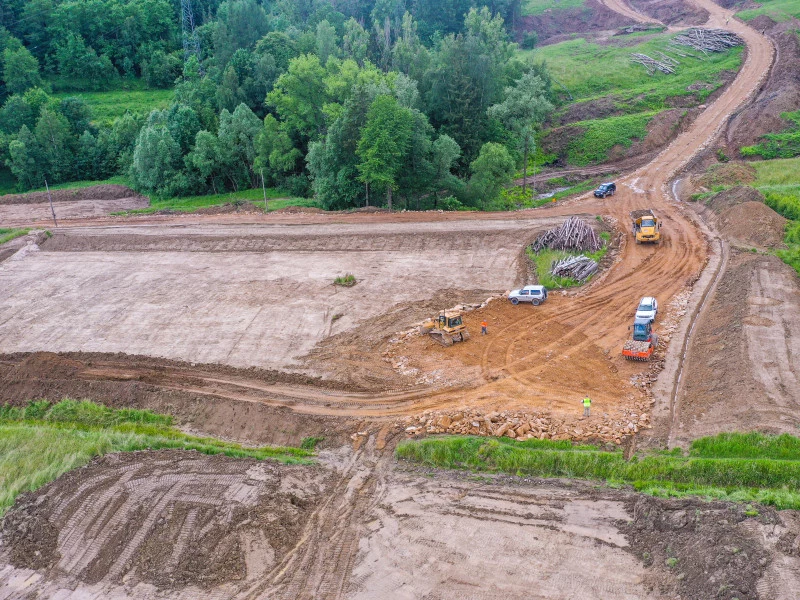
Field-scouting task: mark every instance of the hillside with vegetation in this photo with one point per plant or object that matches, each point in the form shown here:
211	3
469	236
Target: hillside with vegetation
294	95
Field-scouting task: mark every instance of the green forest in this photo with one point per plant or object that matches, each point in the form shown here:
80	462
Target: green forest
413	103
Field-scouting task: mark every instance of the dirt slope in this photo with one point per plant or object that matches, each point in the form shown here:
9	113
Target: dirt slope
781	92
364	527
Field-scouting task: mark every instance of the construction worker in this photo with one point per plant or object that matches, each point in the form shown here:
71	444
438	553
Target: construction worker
587	404
484	326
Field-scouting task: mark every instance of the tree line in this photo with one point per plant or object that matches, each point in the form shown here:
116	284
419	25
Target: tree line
428	105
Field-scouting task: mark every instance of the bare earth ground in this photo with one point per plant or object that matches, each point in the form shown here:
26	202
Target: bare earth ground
361	528
243	296
39	214
370	529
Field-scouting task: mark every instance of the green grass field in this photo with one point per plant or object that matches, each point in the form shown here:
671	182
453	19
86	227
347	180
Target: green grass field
590	71
107	106
738	467
537	7
777	10
777	172
276	199
601	135
6	235
42	441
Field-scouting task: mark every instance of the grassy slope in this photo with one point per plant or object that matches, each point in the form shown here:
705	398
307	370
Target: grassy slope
107	106
779	181
537	7
6	235
778	10
276	199
43	441
592	71
740	467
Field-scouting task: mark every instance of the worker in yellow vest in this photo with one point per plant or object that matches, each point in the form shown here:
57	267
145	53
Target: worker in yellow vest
587	404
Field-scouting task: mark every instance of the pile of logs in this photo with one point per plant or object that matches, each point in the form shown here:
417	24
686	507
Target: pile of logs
707	40
579	268
665	64
574	234
697	38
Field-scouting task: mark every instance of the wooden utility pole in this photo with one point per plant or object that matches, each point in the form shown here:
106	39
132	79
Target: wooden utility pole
52	209
264	189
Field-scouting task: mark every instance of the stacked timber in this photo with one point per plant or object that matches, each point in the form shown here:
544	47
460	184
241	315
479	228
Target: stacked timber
579	268
574	234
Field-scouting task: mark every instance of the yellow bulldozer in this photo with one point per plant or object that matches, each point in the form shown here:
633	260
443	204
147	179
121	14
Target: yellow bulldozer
447	328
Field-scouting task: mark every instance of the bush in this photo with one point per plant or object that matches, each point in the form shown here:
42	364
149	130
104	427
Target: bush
348	280
161	70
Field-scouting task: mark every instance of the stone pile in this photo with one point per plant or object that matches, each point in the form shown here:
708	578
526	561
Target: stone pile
531	425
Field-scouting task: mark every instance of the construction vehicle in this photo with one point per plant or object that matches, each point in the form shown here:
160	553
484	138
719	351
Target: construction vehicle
646	227
644	341
447	328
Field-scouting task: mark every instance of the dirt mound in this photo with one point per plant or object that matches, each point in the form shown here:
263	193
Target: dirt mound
671	12
590	17
46	364
594	109
95	192
168	518
753	224
780	94
725	199
730	173
713	549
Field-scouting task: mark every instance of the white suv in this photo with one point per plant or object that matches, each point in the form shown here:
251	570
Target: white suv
535	294
648	308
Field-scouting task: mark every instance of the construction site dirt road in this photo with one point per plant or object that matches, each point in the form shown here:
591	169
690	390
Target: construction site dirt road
364	527
543	358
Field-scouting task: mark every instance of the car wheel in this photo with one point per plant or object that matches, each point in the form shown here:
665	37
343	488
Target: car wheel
536	302
515	301
612	192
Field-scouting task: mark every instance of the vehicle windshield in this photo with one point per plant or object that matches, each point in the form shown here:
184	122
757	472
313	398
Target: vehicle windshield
644	306
648	223
455	321
604	187
639	329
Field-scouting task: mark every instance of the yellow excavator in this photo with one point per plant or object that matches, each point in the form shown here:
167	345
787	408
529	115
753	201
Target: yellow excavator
447	328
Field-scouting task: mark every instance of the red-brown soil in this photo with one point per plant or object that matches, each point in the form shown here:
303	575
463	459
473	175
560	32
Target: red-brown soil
105	192
781	92
671	12
593	16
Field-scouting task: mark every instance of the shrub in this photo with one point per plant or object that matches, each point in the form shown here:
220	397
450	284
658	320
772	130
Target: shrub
348	280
